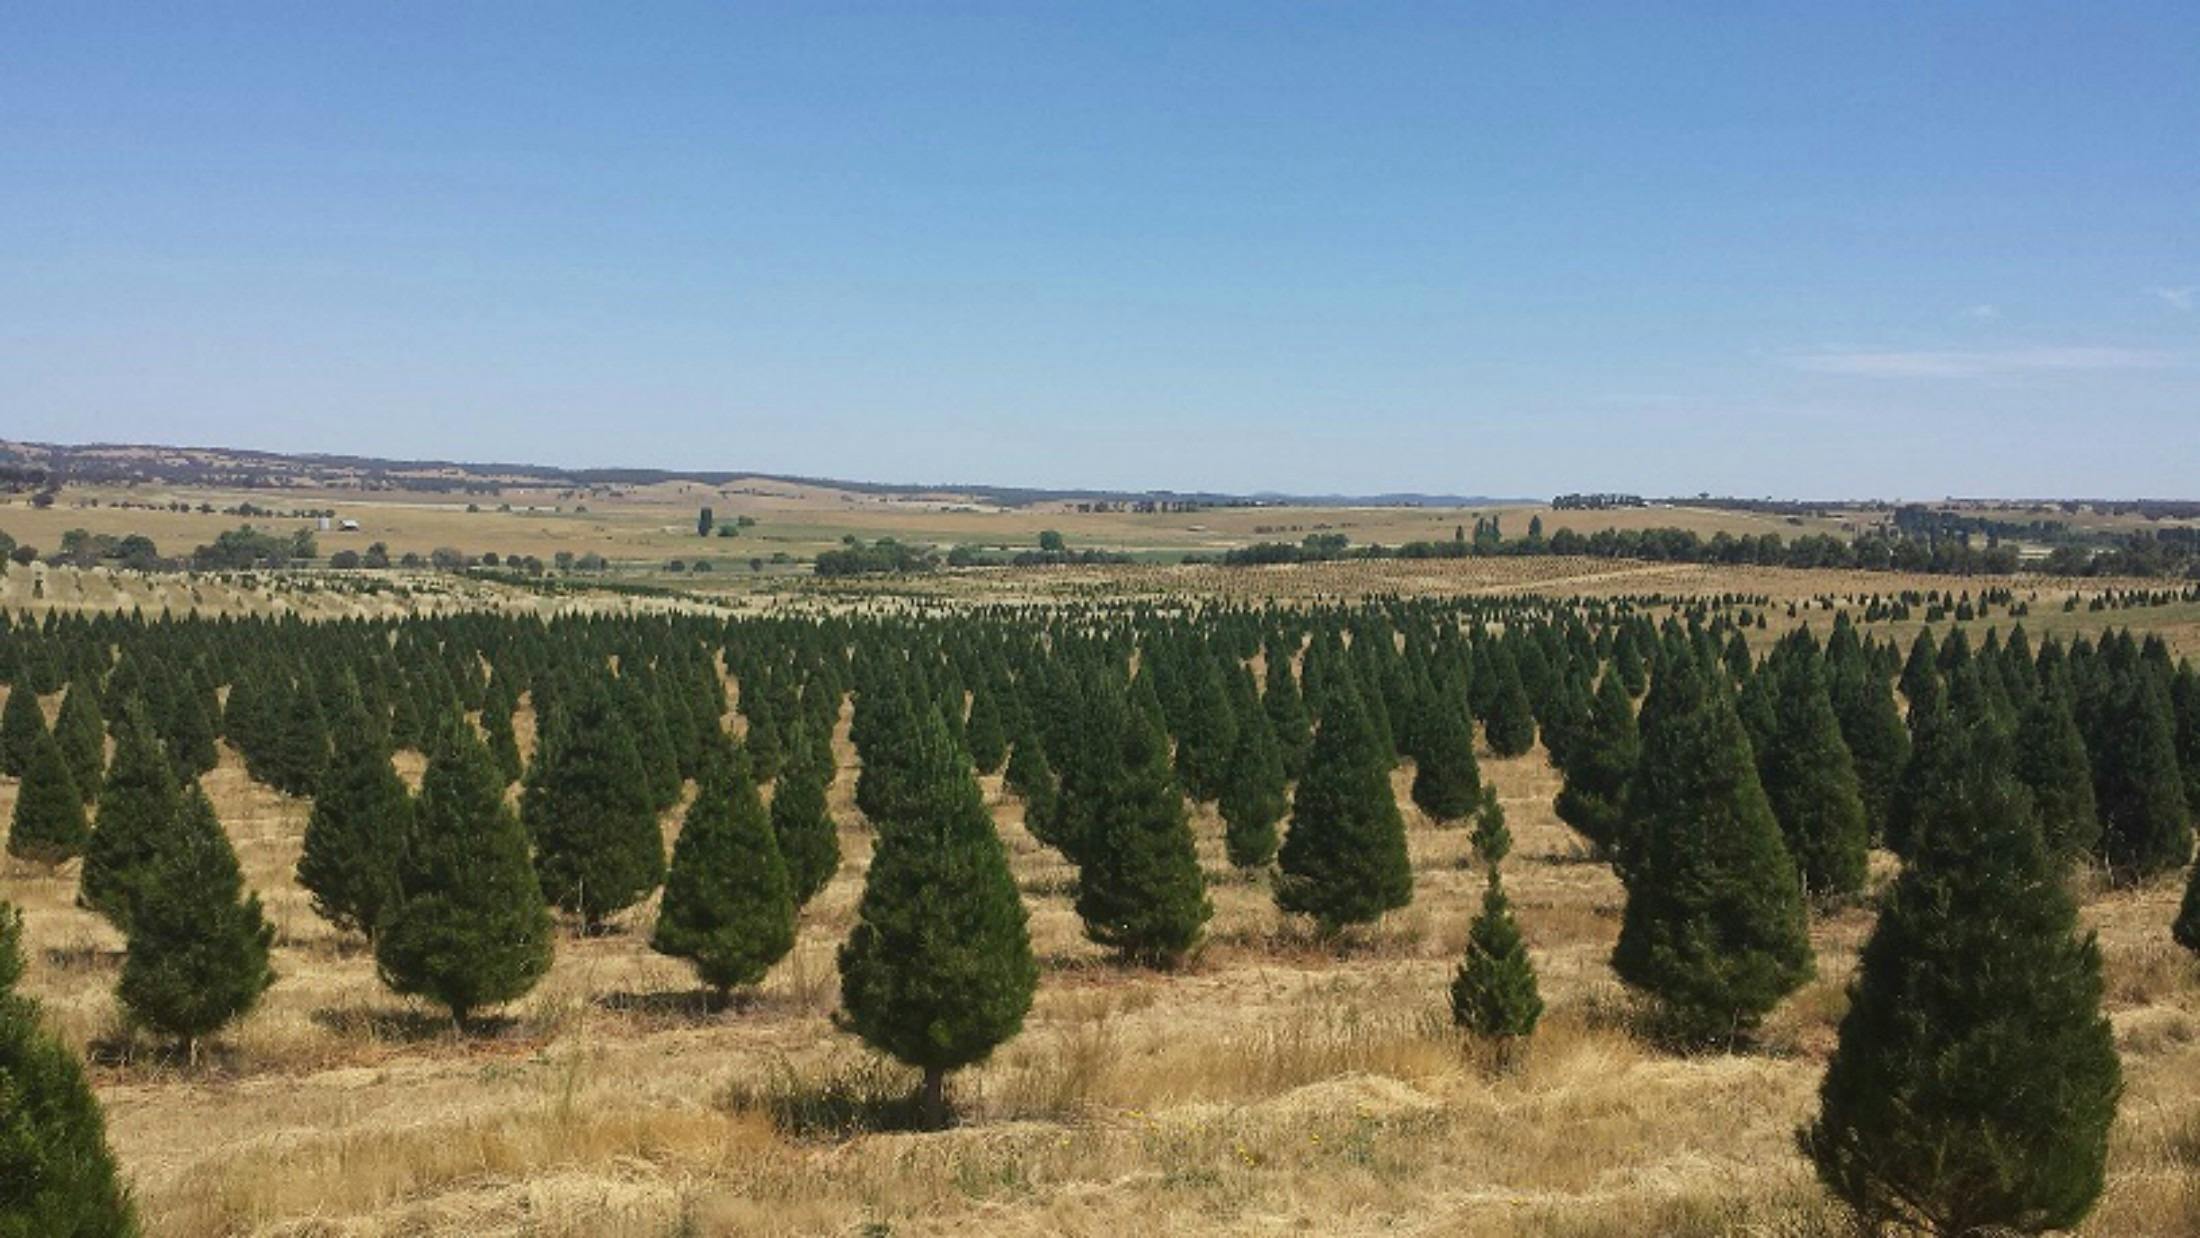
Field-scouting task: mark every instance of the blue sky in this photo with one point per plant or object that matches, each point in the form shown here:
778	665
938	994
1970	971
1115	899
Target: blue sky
1845	249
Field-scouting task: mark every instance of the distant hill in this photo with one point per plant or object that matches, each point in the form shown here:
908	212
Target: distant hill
26	464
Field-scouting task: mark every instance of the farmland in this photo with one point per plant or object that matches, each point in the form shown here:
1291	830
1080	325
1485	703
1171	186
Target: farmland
1277	1079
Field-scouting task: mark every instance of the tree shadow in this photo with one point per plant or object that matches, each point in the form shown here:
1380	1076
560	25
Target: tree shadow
851	1096
404	1025
679	1005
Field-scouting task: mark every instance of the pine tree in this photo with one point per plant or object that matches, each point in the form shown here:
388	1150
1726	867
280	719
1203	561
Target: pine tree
198	940
1494	993
1510	724
1447	780
1286	709
2052	763
1209	734
729	904
82	733
48	826
1872	727
1975	1080
1344	860
470	927
1031	777
809	840
987	734
1139	888
300	752
598	849
2146	827
2184	701
1594	798
938	969
1808	777
354	837
1253	802
137	810
21	723
1714	929
56	1174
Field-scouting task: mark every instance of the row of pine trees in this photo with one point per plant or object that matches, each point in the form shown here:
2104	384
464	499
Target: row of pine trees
1734	801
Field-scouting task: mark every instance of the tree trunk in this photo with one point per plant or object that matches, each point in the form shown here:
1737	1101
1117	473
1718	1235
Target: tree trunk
935	1098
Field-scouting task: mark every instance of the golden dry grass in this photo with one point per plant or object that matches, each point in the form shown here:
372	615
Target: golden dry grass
1271	1086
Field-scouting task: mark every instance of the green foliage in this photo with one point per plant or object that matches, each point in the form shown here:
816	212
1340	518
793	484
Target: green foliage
1447	780
48	826
1493	994
987	736
1031	777
2052	763
1714	930
1344	861
469	928
57	1177
1509	724
1808	776
356	833
809	840
1253	801
1139	888
587	807
729	905
1593	799
81	731
21	725
1976	1079
2137	782
1282	701
938	969
1208	735
137	810
198	940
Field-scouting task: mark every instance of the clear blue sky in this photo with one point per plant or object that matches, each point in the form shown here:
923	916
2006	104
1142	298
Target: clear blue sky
1801	249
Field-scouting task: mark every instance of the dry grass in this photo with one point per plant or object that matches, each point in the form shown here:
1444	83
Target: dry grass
1273	1085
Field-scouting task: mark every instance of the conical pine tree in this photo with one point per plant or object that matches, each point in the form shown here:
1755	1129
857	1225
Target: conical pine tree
2146	827
469	927
48	826
1809	778
1253	802
1447	780
1594	798
1344	861
1494	993
138	804
362	815
1714	931
588	808
1509	726
987	734
938	969
1975	1080
21	723
198	940
1139	888
729	906
2052	763
81	730
56	1174
809	840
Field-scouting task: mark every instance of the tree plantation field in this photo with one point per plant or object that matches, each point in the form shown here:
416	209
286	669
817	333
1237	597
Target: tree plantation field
1510	896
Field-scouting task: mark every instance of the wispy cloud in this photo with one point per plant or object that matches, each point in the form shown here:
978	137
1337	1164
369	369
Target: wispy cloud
1982	313
1976	363
2183	300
